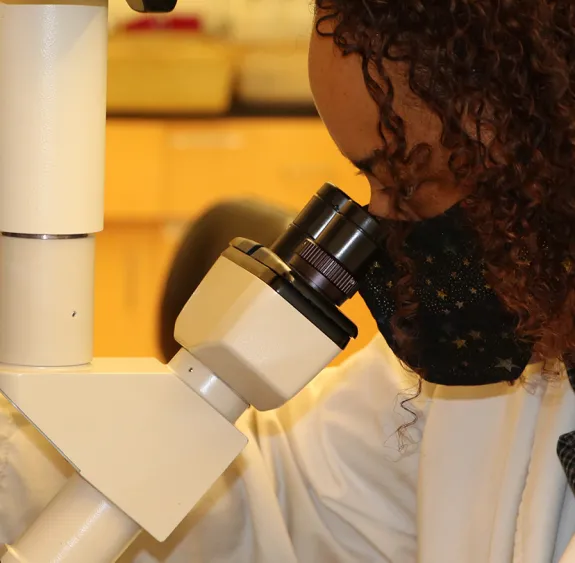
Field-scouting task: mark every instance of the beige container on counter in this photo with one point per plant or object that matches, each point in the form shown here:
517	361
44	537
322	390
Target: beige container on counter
168	72
273	74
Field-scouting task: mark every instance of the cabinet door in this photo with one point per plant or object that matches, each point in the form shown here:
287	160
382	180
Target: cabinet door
283	161
131	261
135	162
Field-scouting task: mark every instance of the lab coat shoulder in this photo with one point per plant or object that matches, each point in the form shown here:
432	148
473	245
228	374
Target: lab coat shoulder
31	473
327	477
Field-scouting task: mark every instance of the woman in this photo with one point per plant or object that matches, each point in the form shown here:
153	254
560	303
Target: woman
460	115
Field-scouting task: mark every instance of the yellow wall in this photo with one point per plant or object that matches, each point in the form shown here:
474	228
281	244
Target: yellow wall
163	173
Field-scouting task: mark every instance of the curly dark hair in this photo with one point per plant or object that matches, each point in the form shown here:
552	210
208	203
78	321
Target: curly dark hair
500	75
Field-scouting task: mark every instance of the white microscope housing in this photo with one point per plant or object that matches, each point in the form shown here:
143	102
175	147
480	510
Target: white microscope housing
147	440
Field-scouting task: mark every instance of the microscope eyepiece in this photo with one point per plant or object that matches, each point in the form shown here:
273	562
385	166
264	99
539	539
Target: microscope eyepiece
330	243
317	263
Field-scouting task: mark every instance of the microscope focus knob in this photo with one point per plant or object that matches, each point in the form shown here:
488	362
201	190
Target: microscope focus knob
323	272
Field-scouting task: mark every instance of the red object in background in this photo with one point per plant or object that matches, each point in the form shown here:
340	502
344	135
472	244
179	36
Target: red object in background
175	23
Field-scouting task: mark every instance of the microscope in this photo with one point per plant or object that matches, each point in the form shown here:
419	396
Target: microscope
147	440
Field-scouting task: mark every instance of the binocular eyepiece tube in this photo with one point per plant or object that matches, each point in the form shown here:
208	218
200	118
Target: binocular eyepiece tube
317	264
331	243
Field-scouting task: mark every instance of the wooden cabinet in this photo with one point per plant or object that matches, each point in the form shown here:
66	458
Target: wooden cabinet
131	260
283	161
135	170
163	174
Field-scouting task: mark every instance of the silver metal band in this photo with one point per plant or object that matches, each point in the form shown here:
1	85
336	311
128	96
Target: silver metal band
44	237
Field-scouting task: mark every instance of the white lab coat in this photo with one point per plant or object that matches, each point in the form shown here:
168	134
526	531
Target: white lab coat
324	480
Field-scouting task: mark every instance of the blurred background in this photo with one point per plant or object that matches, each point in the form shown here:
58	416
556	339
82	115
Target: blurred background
207	106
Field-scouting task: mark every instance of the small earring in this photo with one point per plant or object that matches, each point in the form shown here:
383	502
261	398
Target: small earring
409	191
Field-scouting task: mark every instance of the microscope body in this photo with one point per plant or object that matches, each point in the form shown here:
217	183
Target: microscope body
262	345
146	440
154	438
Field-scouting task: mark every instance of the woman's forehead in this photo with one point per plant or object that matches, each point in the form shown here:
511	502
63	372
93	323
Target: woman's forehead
348	110
342	99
